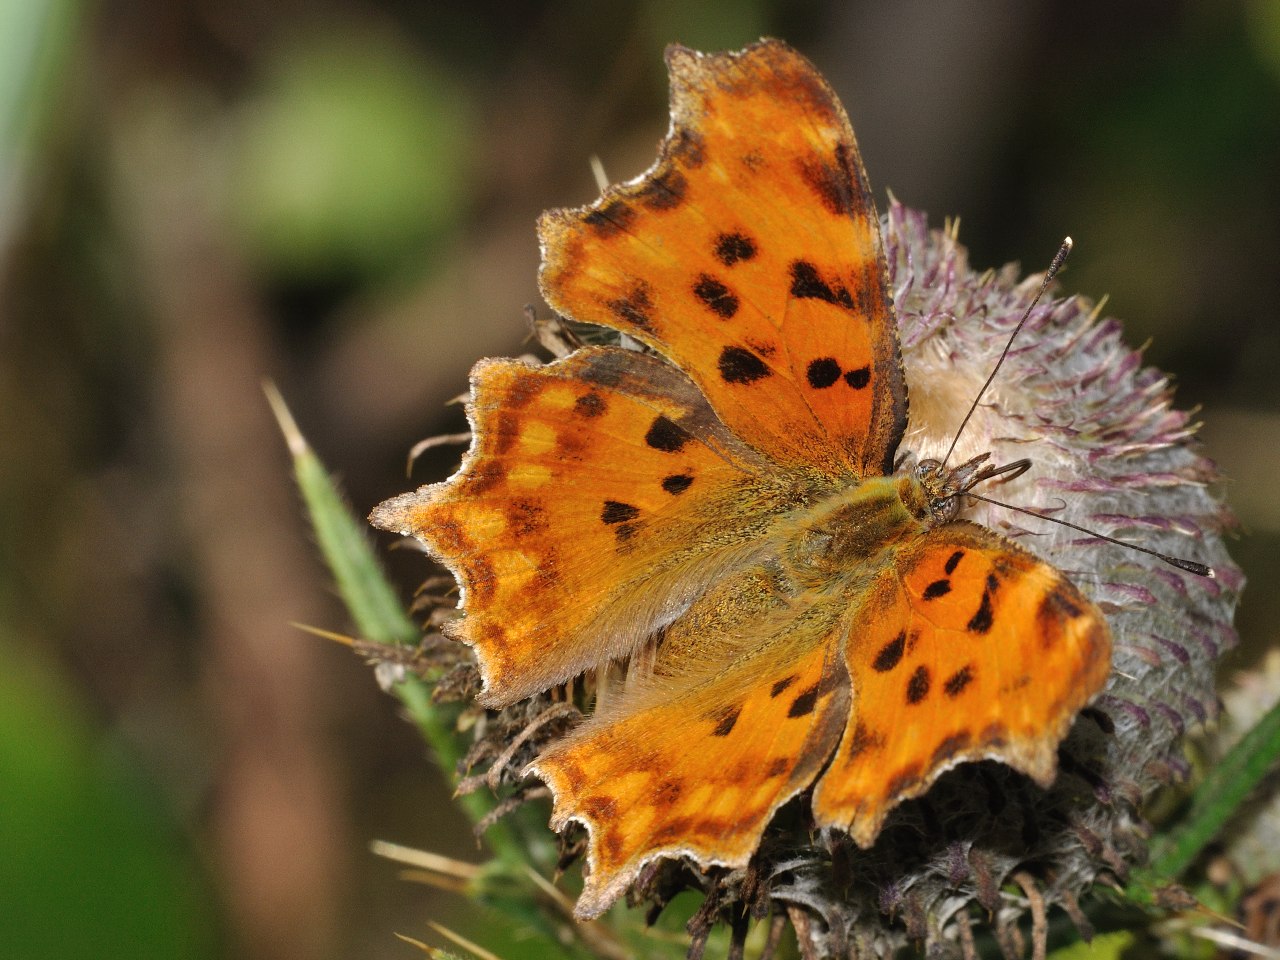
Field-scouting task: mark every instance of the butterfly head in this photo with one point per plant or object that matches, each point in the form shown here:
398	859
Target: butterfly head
944	487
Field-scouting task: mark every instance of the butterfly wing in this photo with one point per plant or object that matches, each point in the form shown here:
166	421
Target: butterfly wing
600	496
699	771
967	647
750	256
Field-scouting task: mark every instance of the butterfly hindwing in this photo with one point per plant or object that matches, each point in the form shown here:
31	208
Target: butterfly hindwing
699	772
966	647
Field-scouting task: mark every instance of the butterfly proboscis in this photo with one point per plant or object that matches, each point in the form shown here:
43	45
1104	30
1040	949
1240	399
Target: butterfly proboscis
948	487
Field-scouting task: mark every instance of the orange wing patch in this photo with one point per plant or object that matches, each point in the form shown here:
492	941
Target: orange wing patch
700	773
750	256
967	648
569	524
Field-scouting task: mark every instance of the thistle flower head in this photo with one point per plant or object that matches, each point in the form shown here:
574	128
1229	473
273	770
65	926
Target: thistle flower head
1111	453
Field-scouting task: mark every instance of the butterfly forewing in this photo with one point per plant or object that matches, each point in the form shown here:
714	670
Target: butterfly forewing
750	256
593	505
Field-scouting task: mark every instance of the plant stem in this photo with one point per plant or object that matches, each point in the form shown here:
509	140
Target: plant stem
377	611
1216	800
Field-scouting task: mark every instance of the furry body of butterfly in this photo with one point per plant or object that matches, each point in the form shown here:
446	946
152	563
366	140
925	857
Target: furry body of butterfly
728	505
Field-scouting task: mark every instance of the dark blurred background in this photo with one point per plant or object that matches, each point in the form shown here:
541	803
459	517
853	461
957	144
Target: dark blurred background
340	195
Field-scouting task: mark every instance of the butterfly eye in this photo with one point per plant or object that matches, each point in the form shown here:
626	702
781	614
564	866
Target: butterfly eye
937	493
928	469
944	509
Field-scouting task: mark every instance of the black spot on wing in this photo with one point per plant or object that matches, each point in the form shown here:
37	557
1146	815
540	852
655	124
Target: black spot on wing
741	366
918	685
939	588
863	740
994	734
664	191
905	779
984	617
686	148
590	405
665	435
503	433
726	720
484	478
1062	604
833	182
617	512
677	483
600	808
667	794
807	284
781	685
958	681
890	654
1056	609
823	372
859	378
623	532
734	247
636	307
611	217
716	297
526	517
804	702
949	747
953	561
482	581
523	392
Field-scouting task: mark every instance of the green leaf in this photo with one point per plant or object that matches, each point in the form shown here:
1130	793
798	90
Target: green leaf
94	862
1226	787
1108	946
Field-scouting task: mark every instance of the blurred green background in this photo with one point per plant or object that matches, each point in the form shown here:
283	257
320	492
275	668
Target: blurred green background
340	195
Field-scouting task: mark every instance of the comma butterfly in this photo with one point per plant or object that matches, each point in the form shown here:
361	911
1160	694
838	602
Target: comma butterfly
803	608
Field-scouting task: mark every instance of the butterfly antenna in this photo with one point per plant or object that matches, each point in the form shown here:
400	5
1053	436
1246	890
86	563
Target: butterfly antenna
1199	569
1059	259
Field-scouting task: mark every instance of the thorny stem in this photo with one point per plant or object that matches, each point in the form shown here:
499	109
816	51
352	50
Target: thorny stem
376	610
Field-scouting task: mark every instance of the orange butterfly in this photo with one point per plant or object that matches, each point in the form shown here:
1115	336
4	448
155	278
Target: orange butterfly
799	605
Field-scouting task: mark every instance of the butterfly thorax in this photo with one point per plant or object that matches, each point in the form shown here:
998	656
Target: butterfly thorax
860	527
856	529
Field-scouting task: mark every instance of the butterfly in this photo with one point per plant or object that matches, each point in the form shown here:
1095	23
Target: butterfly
726	510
